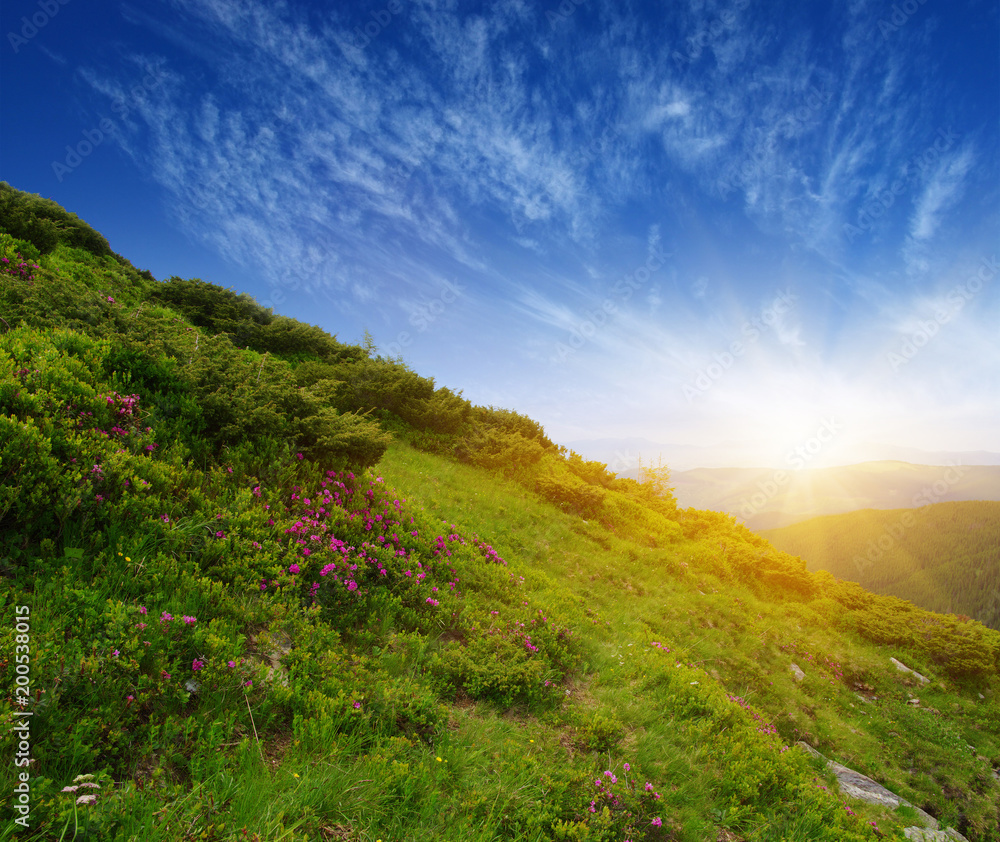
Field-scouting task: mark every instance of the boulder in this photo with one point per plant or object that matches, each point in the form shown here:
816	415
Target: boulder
920	834
904	668
856	785
796	672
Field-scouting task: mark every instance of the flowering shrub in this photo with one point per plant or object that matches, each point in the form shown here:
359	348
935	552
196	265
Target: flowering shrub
18	267
522	658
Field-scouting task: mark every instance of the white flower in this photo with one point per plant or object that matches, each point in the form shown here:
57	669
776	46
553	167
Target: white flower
86	799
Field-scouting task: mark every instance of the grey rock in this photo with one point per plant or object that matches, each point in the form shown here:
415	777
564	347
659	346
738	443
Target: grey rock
904	668
921	834
856	785
796	672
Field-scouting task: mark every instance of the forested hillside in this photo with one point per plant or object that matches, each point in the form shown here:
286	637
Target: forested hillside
270	585
943	557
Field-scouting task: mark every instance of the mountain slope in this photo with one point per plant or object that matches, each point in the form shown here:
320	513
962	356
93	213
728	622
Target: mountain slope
764	498
943	557
262	584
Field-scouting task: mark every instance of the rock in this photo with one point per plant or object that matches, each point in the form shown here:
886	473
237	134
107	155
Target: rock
796	672
808	749
913	702
921	834
856	785
903	668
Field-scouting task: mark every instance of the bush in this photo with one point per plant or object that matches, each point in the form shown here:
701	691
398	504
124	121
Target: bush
45	224
571	494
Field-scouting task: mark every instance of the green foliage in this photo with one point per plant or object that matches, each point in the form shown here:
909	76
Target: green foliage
520	660
571	494
45	224
508	453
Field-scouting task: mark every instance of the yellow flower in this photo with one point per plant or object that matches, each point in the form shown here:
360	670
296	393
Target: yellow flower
438	759
126	558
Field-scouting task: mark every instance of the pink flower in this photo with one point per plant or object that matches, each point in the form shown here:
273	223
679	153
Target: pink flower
197	665
293	568
231	665
165	617
657	822
189	621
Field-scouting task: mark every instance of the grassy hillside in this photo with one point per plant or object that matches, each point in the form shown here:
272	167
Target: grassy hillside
768	499
943	557
264	585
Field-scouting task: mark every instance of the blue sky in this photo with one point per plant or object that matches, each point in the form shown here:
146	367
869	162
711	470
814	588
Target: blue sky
724	225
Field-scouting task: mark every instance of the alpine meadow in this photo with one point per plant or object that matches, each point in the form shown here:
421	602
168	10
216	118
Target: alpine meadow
259	583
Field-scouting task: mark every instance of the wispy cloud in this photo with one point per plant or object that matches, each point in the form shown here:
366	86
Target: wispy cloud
539	164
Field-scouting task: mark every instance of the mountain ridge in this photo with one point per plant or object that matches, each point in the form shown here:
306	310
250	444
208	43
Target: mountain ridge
943	557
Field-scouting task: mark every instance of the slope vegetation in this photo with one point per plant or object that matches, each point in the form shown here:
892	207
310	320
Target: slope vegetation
261	584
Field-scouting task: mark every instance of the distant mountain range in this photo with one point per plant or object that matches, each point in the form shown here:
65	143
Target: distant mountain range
622	454
943	557
766	498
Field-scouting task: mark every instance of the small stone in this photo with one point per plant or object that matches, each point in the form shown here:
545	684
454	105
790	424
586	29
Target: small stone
796	672
903	668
